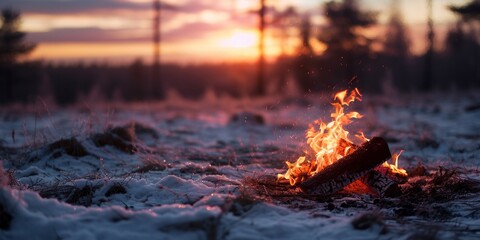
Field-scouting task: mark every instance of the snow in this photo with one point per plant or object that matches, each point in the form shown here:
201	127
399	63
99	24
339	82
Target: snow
47	219
186	177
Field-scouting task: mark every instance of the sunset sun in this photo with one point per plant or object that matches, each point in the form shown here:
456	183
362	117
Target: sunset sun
239	39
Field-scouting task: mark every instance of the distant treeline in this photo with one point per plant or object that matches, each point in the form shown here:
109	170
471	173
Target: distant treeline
349	60
459	69
71	83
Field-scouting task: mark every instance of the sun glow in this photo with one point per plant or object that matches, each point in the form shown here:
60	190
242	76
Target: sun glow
239	39
94	50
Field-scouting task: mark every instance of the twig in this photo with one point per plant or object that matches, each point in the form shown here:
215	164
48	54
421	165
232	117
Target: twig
13	135
35	130
266	192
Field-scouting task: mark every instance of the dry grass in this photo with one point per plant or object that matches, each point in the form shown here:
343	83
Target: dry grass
70	146
119	138
423	196
151	164
116	188
442	186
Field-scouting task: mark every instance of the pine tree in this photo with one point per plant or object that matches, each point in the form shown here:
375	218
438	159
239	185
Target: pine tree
12	40
12	45
397	47
463	45
470	11
345	20
348	49
397	42
305	59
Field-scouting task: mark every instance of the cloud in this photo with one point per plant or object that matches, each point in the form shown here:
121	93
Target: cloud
191	31
188	32
194	19
89	34
43	23
54	7
75	6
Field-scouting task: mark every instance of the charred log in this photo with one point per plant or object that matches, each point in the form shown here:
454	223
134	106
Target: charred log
349	168
398	177
381	184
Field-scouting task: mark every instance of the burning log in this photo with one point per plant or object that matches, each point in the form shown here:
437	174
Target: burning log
383	180
350	168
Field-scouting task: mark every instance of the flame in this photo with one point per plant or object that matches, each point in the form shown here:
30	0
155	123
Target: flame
394	167
329	141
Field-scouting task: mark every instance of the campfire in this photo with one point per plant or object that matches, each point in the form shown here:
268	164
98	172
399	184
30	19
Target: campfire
337	161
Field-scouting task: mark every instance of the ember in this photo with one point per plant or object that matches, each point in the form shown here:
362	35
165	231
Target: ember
331	143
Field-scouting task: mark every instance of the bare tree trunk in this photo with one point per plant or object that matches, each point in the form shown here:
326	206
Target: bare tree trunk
155	86
260	85
428	78
6	81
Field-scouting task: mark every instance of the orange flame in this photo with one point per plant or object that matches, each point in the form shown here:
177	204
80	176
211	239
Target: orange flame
394	167
330	142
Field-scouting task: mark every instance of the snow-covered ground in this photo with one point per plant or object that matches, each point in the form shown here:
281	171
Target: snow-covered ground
194	170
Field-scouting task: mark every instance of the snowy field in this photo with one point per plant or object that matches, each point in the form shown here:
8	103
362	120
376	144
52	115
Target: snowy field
206	169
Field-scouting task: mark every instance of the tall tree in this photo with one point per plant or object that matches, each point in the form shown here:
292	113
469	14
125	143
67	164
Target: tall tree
397	46
260	86
426	84
345	20
155	88
470	11
138	87
156	54
12	40
346	44
463	45
12	45
305	60
397	41
283	22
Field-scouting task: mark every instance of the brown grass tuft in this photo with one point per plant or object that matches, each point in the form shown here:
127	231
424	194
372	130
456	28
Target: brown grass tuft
71	147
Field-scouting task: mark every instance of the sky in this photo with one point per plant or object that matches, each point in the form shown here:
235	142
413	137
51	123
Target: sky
193	31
